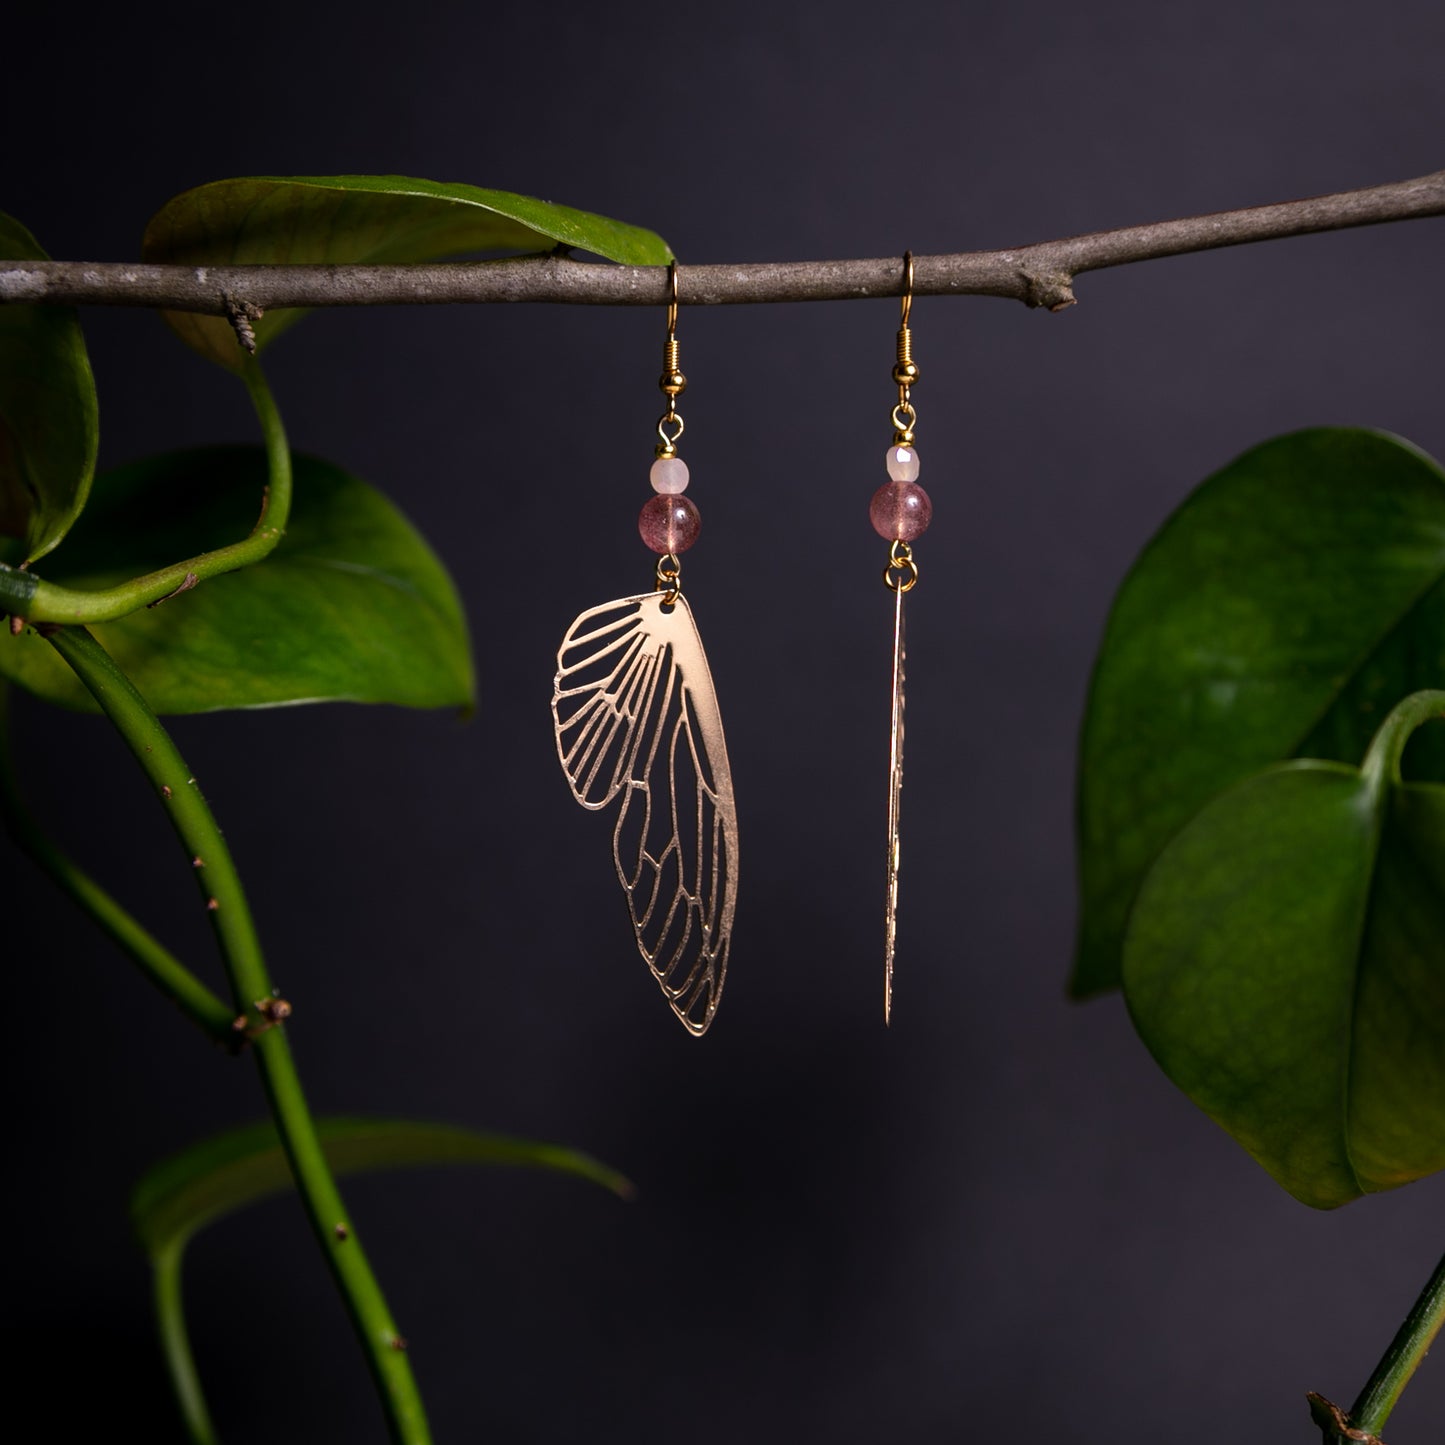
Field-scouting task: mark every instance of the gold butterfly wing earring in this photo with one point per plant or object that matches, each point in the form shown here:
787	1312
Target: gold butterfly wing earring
636	717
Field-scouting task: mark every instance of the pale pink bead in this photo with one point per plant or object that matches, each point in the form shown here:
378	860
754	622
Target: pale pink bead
903	464
900	511
668	476
668	524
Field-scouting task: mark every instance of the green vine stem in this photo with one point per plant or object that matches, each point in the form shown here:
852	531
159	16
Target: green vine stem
1415	1336
158	964
1382	762
51	603
176	1345
1407	1349
257	1001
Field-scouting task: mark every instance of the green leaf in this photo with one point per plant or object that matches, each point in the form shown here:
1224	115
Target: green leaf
338	220
220	1175
1285	964
1278	613
351	606
223	1174
49	421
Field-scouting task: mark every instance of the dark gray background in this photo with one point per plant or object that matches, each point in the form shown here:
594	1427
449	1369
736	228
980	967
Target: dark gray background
996	1217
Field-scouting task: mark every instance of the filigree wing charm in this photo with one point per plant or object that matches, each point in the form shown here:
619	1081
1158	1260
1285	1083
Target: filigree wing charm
636	715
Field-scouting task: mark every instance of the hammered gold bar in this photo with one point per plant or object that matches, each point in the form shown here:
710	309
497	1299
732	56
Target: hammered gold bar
895	799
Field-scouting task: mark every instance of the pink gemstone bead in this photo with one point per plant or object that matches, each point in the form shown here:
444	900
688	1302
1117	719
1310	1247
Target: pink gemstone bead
669	524
900	511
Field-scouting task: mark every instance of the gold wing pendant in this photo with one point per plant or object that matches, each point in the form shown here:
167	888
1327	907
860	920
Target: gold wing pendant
636	715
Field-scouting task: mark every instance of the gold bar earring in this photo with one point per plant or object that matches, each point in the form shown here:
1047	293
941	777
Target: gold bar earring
900	513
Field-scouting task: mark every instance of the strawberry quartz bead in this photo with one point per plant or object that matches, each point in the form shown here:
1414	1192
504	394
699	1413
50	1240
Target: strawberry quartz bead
900	511
669	524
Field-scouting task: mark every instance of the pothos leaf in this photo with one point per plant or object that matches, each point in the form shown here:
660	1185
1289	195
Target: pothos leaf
49	419
1285	964
225	1173
351	606
275	220
1279	613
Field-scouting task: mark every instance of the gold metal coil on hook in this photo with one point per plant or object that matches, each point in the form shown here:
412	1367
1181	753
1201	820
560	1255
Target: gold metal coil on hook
672	382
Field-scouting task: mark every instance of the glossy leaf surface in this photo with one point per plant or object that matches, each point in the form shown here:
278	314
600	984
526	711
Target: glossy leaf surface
294	220
1285	964
49	420
351	606
223	1174
1280	612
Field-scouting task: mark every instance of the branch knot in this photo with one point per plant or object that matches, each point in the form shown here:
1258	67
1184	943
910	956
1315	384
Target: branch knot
1336	1424
1053	289
243	316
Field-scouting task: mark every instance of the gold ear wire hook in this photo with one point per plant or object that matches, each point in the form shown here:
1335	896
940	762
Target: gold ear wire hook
672	382
905	369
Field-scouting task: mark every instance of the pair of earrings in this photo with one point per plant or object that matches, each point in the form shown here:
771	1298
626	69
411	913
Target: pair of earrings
636	715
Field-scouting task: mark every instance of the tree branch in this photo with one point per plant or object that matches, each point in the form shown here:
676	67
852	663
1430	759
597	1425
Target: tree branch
1037	275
